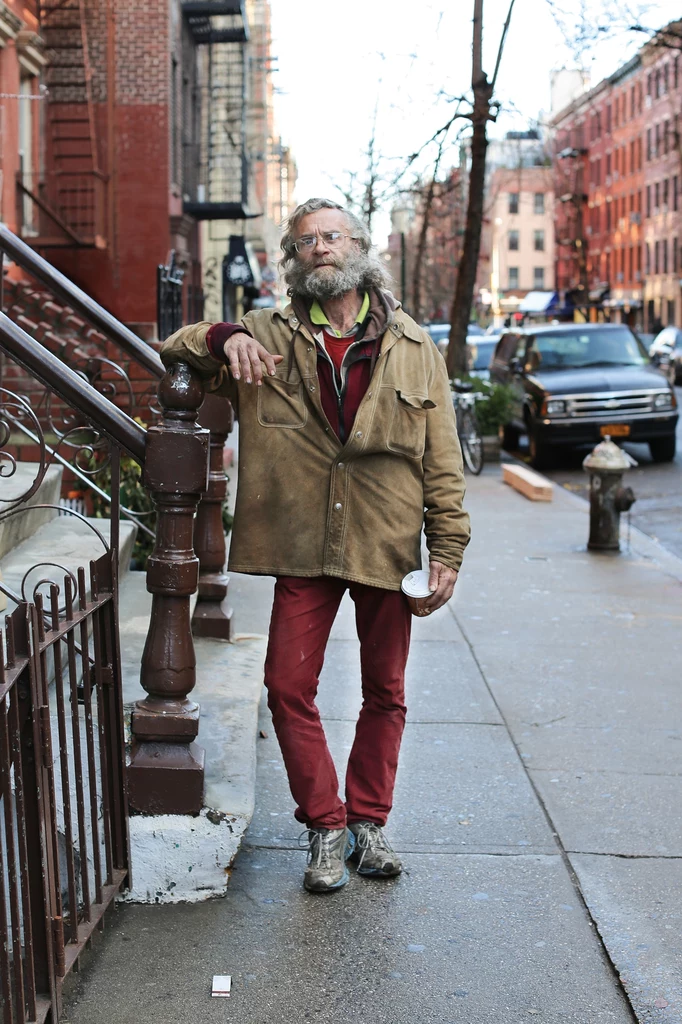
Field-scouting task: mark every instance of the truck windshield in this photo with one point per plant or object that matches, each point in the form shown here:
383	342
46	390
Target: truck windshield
584	347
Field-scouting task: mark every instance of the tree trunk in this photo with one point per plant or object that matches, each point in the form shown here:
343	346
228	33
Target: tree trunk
468	265
421	248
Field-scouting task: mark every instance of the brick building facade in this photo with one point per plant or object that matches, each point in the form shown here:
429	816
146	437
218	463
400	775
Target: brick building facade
123	128
521	204
617	171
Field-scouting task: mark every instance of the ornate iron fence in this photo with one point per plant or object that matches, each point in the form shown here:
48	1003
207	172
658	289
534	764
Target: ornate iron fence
63	810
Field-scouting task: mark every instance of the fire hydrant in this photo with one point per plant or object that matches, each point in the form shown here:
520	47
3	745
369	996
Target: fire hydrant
608	498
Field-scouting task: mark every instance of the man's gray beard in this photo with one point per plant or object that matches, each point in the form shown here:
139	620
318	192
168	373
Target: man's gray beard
329	283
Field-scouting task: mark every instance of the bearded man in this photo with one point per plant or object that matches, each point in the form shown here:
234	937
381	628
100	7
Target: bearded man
347	449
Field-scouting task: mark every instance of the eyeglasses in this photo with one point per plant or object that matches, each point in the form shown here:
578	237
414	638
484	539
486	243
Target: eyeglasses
332	239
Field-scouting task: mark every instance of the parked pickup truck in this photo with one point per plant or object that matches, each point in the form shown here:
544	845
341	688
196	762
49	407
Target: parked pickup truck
576	383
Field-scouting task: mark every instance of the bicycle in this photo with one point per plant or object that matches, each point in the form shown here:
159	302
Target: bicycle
464	400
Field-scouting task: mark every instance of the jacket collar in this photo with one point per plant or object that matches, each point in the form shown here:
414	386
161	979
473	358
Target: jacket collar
397	320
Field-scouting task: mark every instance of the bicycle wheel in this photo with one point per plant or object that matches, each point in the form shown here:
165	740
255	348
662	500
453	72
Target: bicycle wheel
471	442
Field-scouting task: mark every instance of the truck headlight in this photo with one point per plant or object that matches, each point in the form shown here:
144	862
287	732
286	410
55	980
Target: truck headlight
555	407
662	401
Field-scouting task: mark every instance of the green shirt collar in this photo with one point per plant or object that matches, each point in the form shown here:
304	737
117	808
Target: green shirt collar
317	314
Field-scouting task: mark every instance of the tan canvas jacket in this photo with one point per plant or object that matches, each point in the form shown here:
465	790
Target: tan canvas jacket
308	505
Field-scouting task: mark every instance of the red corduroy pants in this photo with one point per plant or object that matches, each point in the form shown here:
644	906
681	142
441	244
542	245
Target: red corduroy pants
302	617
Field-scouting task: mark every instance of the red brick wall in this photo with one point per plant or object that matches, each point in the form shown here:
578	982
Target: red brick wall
123	276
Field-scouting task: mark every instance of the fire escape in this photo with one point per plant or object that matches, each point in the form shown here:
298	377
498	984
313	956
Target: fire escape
70	195
573	235
219	27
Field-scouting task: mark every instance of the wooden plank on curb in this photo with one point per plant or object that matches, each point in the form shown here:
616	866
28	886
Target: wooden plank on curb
528	483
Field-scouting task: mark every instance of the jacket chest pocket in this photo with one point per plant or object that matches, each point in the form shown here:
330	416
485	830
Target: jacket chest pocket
281	404
407	424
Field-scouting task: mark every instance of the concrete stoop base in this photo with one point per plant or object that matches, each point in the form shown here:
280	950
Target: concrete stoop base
179	859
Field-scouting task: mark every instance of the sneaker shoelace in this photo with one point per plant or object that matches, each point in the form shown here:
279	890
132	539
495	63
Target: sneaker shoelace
319	847
371	837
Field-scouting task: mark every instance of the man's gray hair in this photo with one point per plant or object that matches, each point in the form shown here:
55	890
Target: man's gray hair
356	228
366	269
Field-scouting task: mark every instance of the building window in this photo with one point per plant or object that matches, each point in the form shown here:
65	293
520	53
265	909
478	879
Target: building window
539	202
664	255
608	165
539	241
657	196
671	312
647	259
513	277
648	200
676	192
665	194
539	278
676	256
608	120
514	240
665	79
513	202
676	72
608	216
666	136
657	260
657	140
648	143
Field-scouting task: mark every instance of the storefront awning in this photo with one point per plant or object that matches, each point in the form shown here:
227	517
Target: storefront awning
538	302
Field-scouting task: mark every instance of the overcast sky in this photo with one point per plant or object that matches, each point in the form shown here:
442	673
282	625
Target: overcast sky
340	61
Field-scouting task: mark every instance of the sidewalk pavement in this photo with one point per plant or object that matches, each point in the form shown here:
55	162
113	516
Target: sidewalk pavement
537	811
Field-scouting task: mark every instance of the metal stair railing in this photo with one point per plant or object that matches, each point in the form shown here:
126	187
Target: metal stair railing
212	614
166	771
64	786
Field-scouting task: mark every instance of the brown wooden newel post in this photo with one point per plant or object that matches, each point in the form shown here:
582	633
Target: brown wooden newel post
166	772
212	613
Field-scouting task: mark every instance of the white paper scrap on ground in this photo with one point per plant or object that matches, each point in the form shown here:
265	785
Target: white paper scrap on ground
221	984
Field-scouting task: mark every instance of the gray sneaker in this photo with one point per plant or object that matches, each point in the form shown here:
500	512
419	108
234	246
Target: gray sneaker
373	853
328	850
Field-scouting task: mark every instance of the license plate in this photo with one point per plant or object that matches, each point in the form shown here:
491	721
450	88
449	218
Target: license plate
615	430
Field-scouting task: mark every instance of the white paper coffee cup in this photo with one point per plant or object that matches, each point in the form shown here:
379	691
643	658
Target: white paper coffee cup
415	587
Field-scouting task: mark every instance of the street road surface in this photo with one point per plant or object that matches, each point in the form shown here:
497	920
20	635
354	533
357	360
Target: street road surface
658	488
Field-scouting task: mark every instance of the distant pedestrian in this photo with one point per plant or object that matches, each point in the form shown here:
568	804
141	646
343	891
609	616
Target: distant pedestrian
347	449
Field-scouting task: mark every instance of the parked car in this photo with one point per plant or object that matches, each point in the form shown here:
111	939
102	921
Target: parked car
481	350
667	348
441	332
576	383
